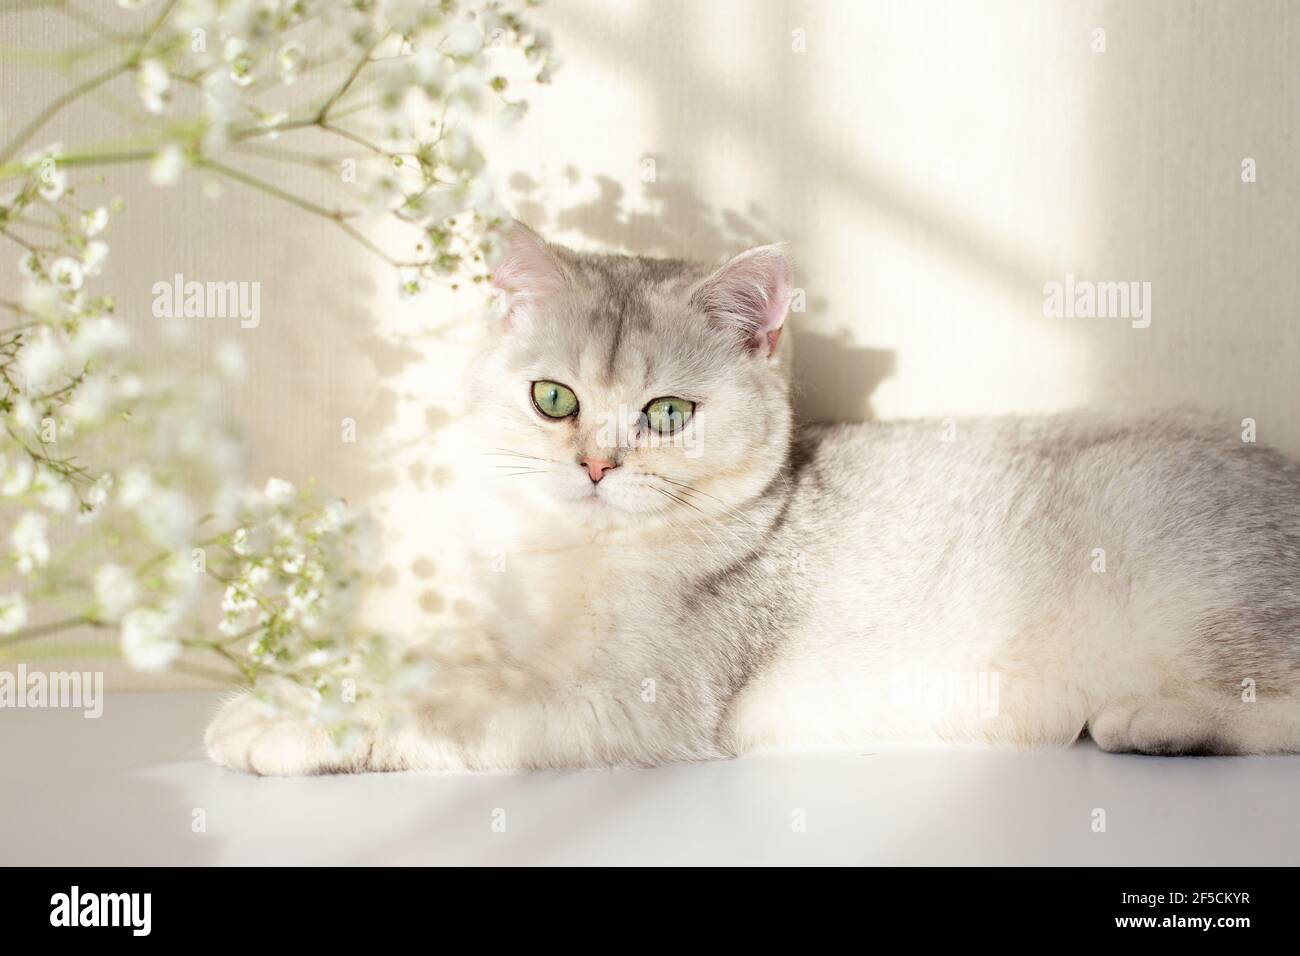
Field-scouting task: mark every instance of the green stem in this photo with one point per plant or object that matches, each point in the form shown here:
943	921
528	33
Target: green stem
208	673
54	627
360	65
353	110
290	156
242	666
77	15
154	27
13	170
55	651
19	240
86	86
271	189
58	103
252	132
337	216
359	140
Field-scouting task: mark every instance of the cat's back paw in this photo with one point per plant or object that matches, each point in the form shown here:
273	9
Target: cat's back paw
1162	727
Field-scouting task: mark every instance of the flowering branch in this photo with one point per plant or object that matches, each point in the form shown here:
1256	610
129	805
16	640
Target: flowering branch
130	469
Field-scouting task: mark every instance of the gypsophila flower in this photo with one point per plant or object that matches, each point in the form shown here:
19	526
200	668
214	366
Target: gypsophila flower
91	401
130	387
230	362
53	183
94	221
332	518
94	257
124	483
165	170
30	549
53	492
152	83
23	415
15	476
97	494
148	643
41	359
67	274
410	282
236	53
463	39
13	613
136	488
116	591
238	599
41	299
290	59
278	492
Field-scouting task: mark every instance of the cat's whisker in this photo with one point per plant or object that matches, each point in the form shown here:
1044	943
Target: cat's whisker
717	523
694	507
727	510
693	527
714	522
722	551
727	553
517	454
676	499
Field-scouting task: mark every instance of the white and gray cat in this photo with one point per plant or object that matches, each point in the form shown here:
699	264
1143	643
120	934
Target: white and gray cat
695	578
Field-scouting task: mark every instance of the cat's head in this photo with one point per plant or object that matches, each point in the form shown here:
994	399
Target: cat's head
619	391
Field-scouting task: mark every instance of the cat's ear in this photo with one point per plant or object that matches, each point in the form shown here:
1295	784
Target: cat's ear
749	296
528	270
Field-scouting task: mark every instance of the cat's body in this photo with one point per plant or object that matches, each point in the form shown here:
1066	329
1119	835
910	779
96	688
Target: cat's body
745	587
1039	575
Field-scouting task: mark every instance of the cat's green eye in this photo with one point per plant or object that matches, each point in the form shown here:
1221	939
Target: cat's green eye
554	400
669	415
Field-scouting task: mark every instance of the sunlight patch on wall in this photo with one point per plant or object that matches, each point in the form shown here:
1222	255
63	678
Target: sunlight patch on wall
934	239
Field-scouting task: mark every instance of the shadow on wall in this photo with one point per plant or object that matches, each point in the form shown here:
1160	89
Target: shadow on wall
671	220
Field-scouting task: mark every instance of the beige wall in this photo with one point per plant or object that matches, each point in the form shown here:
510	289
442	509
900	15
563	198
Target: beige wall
932	163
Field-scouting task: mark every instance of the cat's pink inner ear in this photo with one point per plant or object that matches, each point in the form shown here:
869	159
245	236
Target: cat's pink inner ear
750	296
528	270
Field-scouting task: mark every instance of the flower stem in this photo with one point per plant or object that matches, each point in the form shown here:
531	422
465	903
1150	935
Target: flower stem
337	216
84	87
12	170
58	103
54	627
209	673
360	65
272	190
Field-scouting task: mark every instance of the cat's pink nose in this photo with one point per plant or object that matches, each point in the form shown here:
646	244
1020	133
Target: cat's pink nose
596	467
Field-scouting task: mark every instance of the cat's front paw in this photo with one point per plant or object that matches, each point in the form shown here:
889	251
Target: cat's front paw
248	735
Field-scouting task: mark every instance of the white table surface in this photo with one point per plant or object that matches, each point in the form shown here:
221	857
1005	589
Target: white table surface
123	790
